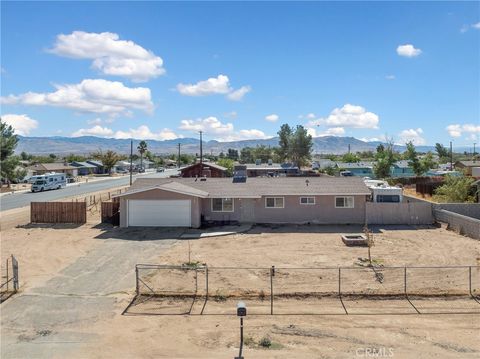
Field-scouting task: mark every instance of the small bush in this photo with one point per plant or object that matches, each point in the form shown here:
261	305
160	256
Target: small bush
265	342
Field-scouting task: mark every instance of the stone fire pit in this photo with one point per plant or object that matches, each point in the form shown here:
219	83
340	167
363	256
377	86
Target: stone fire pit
354	240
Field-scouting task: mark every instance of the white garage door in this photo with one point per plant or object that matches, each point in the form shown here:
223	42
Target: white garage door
159	213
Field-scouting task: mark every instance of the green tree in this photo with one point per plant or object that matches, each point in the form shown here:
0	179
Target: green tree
455	190
350	158
385	158
263	153
246	155
232	154
284	137
25	156
109	159
442	152
300	146
142	148
74	158
419	165
8	143
329	170
228	164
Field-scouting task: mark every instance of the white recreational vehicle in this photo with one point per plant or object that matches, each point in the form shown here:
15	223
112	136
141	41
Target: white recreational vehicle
382	192
49	181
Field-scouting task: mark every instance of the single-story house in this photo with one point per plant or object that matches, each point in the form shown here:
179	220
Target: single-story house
122	166
203	170
145	163
323	163
362	169
468	167
100	167
271	169
401	169
189	202
84	168
58	167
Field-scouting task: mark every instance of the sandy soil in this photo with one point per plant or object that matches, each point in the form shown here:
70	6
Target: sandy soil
391	328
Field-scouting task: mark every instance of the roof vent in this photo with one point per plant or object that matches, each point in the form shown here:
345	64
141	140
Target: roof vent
307	182
258	162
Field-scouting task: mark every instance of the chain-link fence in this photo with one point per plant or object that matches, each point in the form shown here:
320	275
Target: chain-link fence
275	290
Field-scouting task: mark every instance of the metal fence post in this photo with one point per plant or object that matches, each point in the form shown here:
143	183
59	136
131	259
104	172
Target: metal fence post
136	280
8	279
405	280
272	274
206	281
339	281
470	280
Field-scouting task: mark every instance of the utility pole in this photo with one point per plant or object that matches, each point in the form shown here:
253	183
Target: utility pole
178	160
348	148
451	157
201	148
131	161
474	153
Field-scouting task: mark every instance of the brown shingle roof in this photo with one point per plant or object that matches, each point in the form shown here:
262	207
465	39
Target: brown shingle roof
51	167
259	186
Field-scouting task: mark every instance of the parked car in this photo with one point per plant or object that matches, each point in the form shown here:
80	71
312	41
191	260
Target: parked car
141	170
161	169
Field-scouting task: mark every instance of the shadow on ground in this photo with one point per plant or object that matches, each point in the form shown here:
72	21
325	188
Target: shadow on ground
139	233
50	225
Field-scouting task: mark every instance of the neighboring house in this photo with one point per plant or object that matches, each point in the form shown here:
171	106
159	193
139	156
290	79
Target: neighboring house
99	165
58	167
402	169
271	169
323	163
362	169
84	168
145	163
469	167
121	166
203	170
187	202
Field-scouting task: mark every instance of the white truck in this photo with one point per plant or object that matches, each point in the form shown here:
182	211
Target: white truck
49	181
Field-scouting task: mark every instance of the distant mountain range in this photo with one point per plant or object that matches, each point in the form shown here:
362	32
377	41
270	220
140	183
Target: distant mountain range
87	144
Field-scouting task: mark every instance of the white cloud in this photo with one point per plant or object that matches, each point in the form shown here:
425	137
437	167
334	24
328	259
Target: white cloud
348	116
212	126
213	86
144	133
390	77
370	139
476	26
22	124
94	131
465	28
272	118
94	96
110	55
237	95
408	50
141	133
96	121
414	135
457	130
333	131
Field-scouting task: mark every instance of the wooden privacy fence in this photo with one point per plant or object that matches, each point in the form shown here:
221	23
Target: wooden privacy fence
58	212
110	212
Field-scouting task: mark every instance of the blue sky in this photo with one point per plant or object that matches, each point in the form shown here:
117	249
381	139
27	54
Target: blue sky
240	70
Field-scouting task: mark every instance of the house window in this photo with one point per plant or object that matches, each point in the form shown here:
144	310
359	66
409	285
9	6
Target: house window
222	204
274	202
344	202
307	200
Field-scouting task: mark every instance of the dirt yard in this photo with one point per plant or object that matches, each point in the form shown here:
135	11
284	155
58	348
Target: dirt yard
77	281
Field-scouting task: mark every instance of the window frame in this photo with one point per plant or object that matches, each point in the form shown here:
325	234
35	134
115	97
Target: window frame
308	203
275	202
223	199
344	202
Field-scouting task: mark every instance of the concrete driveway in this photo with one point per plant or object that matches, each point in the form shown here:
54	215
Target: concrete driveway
52	321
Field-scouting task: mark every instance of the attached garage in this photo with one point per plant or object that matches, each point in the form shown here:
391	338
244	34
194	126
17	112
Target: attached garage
159	213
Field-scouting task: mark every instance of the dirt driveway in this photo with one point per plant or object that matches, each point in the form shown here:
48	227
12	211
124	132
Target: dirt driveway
71	278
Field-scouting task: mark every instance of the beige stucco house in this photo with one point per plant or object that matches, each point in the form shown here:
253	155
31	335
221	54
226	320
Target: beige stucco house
189	202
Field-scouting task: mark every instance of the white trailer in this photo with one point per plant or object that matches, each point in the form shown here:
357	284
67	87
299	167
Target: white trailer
50	181
382	192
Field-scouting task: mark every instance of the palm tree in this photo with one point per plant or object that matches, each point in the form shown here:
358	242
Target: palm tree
142	148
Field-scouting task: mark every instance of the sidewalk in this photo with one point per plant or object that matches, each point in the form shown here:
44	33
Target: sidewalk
215	231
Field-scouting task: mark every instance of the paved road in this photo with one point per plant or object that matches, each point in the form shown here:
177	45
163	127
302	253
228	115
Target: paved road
54	320
22	199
